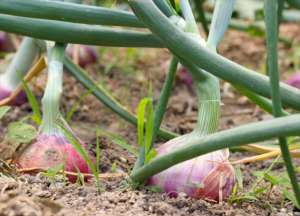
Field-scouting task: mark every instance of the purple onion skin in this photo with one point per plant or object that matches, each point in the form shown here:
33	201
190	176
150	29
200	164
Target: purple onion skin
209	176
18	101
294	80
87	54
50	151
185	77
5	44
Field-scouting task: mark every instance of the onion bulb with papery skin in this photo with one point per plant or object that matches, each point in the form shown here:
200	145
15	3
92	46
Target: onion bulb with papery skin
6	91
50	151
209	176
294	80
86	54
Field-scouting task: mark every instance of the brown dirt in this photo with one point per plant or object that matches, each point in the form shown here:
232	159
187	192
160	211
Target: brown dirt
37	195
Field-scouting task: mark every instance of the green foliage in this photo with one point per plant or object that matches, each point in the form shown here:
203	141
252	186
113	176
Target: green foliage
20	132
51	173
265	182
37	116
145	128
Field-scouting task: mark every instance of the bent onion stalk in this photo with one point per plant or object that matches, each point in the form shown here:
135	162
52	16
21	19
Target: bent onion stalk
17	69
52	148
209	176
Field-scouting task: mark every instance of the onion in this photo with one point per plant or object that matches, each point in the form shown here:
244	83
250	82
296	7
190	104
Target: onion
6	91
294	80
5	44
209	176
185	77
52	150
86	54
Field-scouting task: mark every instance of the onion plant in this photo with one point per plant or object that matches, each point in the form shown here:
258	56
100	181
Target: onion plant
146	11
208	176
55	145
52	148
195	163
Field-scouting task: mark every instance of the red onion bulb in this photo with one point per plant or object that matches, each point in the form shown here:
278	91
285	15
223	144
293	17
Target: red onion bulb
6	91
86	54
5	44
52	150
294	80
185	77
209	176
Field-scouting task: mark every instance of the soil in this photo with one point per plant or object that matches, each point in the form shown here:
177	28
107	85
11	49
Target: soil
23	194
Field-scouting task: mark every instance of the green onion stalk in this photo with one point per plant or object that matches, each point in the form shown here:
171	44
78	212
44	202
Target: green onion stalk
68	12
19	66
67	32
271	9
56	145
209	176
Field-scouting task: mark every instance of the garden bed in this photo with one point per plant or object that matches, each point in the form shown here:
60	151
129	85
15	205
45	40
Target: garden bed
23	194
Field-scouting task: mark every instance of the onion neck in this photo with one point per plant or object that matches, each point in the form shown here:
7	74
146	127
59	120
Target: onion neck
209	101
207	86
21	62
54	88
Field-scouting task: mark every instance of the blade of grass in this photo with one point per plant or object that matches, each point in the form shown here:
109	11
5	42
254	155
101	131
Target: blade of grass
80	150
98	160
271	20
144	137
37	116
3	111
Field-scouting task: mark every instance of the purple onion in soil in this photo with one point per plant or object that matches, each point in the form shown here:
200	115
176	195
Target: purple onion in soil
294	80
5	44
18	101
185	77
50	151
87	54
209	176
